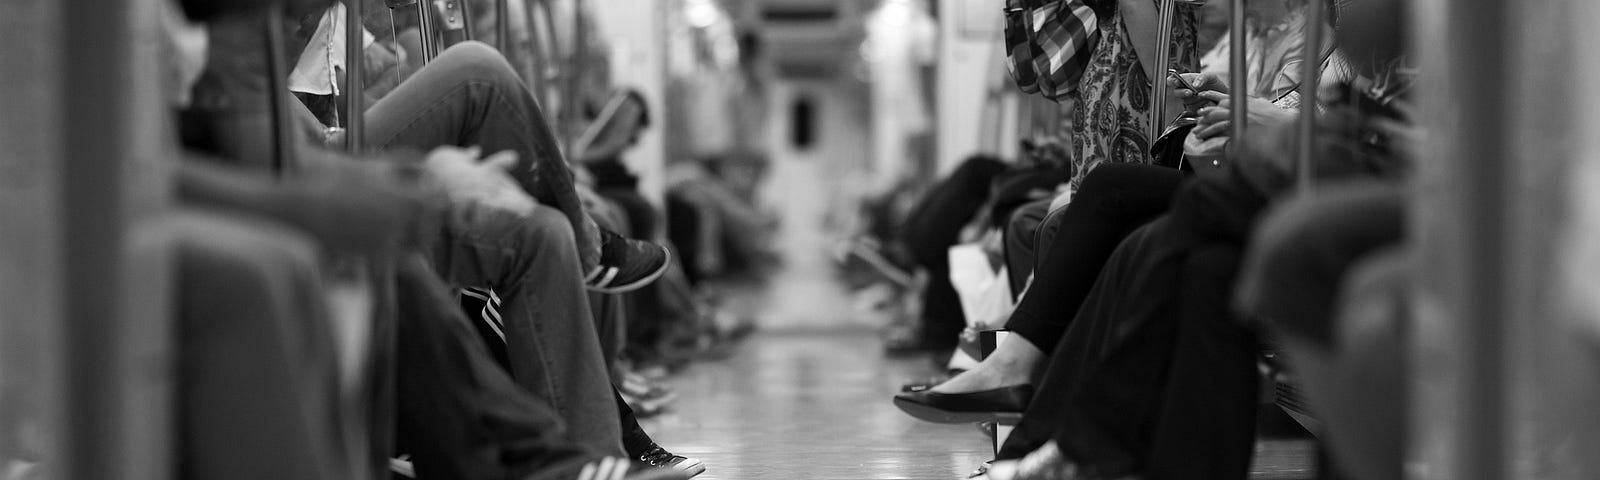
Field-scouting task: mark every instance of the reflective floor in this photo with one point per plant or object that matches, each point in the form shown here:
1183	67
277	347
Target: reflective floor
811	406
815	404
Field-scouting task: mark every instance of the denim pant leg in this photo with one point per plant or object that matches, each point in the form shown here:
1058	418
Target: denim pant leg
469	96
549	328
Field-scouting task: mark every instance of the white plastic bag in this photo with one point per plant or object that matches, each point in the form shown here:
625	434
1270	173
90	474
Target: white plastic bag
984	292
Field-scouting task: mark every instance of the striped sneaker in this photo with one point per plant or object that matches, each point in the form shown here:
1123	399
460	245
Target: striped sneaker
613	468
626	264
660	458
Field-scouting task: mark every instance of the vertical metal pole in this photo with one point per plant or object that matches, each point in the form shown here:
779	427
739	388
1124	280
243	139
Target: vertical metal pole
1310	89
1238	70
461	8
426	29
536	43
278	92
575	76
1158	75
355	72
502	26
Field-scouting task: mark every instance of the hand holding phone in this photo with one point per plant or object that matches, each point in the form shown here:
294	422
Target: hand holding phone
1177	77
1189	93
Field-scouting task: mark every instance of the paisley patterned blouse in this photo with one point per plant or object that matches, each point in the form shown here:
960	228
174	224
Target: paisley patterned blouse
1112	105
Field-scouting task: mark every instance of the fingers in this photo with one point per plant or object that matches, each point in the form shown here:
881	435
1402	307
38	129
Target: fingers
503	160
1207	131
1215	114
1215	96
453	152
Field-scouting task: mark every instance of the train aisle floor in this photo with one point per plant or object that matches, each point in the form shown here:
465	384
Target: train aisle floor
814	405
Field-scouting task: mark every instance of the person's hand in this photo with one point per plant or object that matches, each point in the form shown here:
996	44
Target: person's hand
1203	82
1217	120
463	176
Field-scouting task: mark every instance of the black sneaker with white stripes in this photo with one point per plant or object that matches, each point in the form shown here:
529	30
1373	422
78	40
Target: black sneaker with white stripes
660	458
626	264
613	468
608	468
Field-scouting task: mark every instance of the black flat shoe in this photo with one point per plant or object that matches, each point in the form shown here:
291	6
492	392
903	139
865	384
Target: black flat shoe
971	407
924	385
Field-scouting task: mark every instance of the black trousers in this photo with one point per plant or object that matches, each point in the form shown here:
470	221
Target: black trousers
1112	201
1153	375
935	226
460	414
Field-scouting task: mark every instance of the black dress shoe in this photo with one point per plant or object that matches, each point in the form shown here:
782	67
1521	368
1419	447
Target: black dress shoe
971	407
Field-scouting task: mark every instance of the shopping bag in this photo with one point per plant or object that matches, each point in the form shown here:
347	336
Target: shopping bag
1049	44
985	292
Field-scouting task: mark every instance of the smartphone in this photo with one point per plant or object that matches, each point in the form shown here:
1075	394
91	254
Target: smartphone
1173	72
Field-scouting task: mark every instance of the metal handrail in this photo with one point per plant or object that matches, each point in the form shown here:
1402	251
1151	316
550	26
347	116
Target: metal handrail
502	25
1158	85
354	75
1238	46
277	92
577	68
1310	88
425	26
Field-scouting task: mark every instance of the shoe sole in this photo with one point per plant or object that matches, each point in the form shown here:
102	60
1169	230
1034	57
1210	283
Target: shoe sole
658	474
693	470
935	415
637	284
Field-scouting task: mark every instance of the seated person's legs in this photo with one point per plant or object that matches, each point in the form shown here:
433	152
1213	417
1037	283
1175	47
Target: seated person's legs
1304	247
1360	390
461	416
932	228
470	96
551	340
1205	425
1118	324
1113	201
1316	263
1022	246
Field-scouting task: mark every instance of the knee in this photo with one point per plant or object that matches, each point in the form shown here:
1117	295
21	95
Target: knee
1026	220
1102	183
1288	232
478	61
549	225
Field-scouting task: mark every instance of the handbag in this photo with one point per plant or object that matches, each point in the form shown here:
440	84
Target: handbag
1049	44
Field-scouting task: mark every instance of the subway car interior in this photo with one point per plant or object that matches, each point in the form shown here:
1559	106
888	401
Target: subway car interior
799	239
